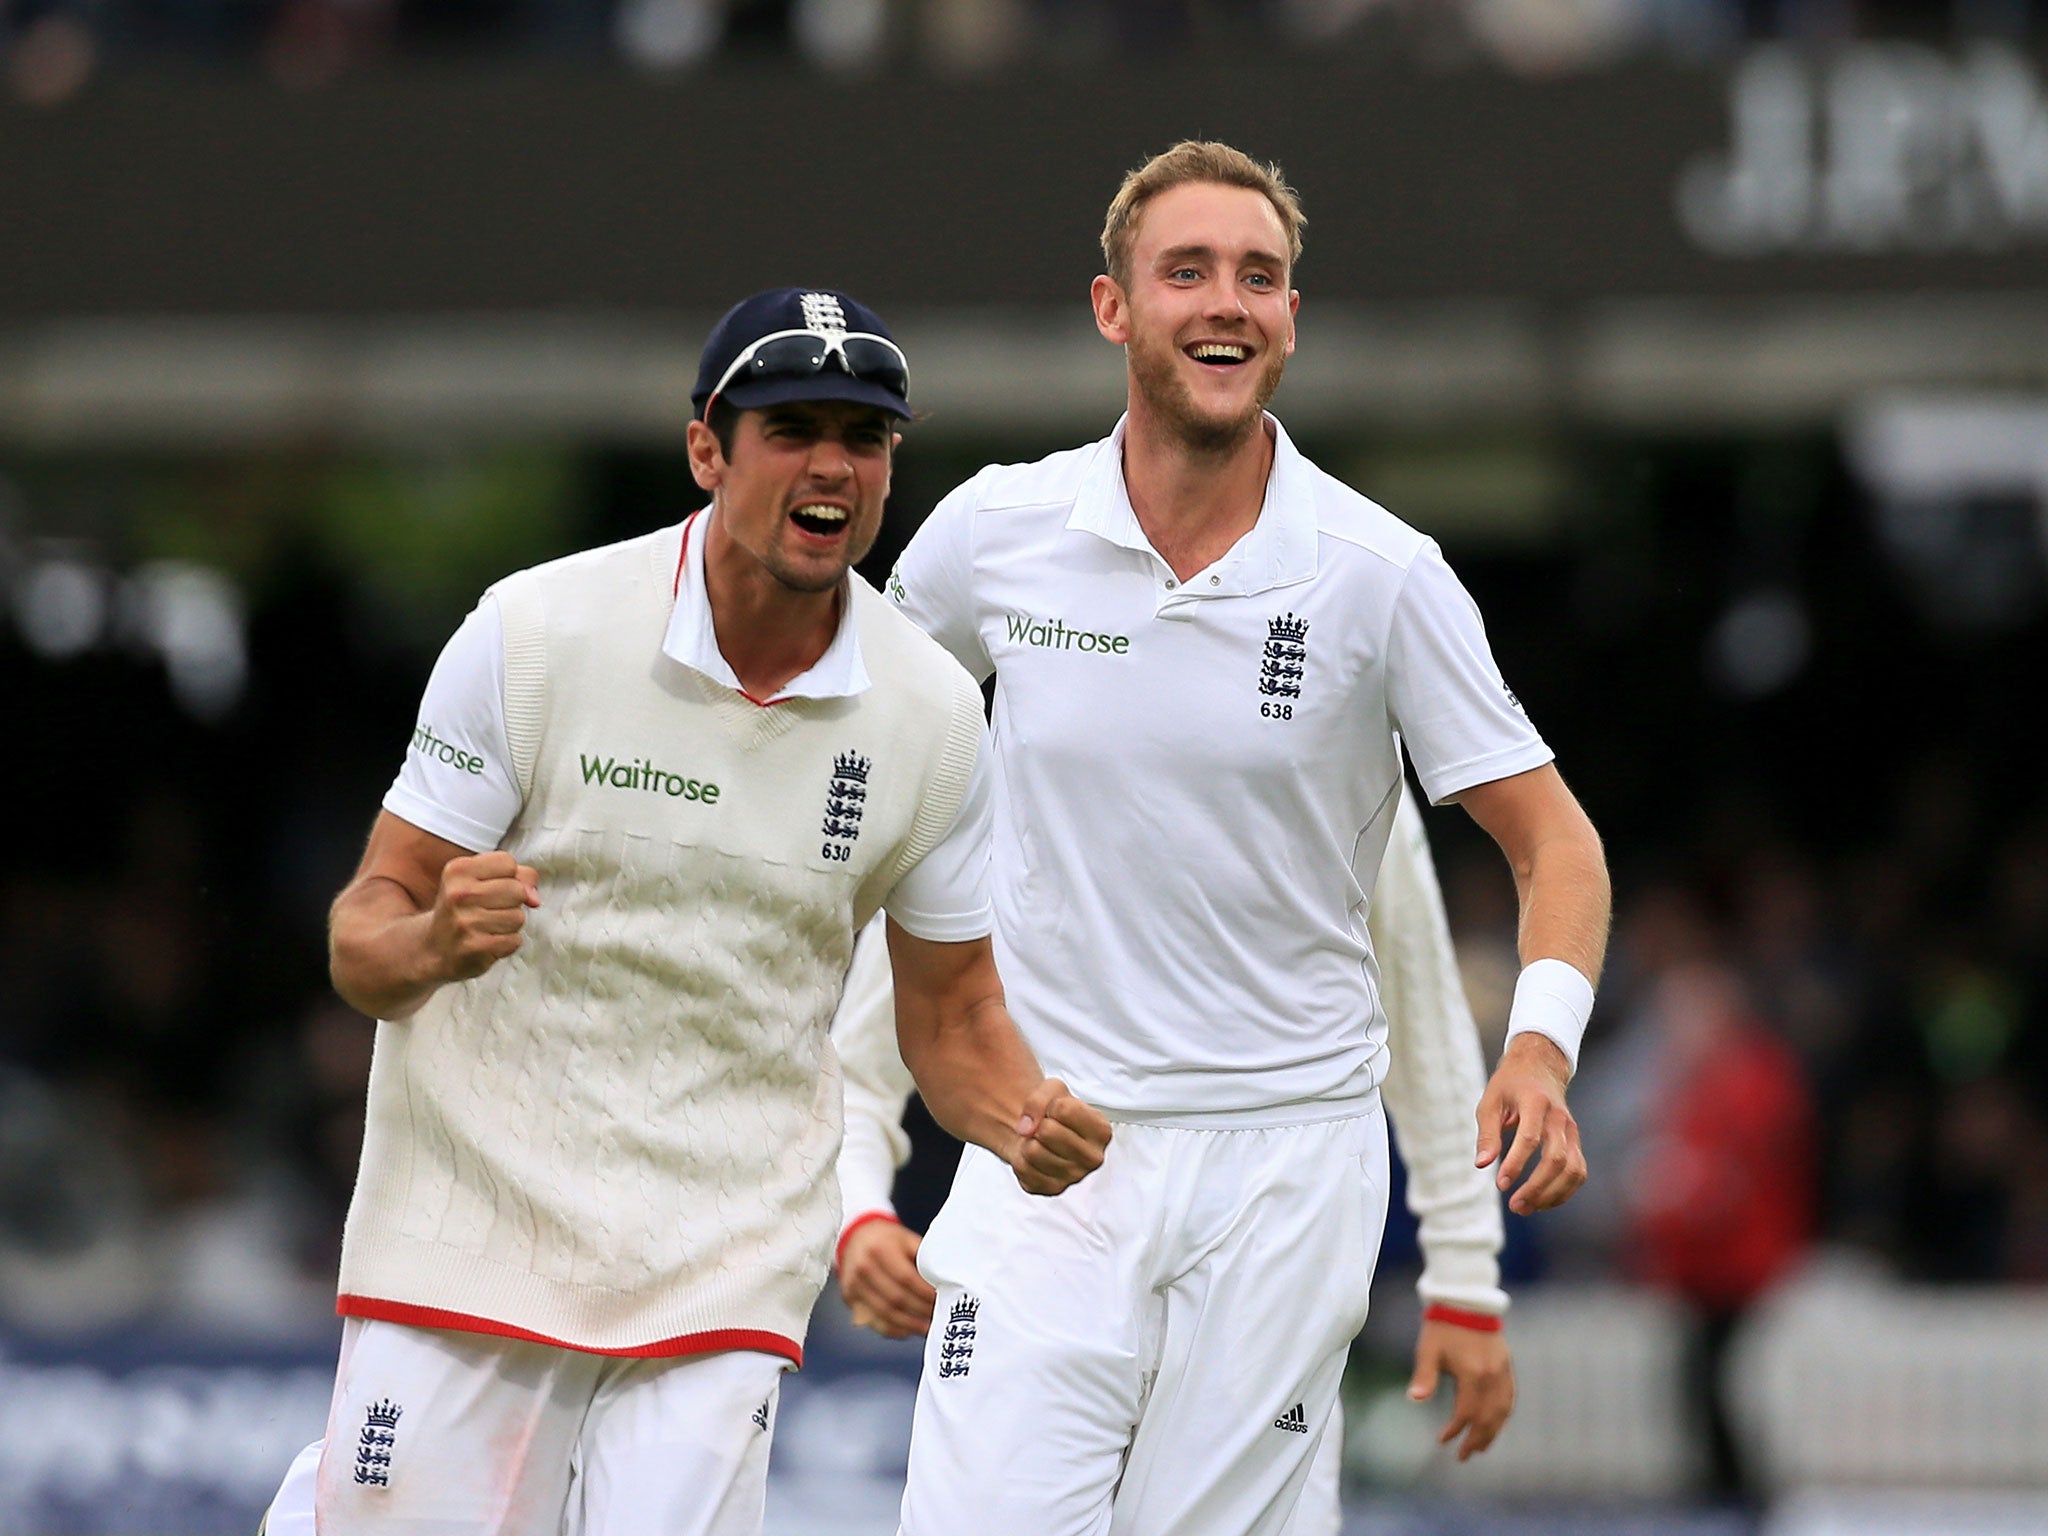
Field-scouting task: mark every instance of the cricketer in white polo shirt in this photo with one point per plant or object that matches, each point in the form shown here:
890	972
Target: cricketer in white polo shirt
1209	656
1433	1080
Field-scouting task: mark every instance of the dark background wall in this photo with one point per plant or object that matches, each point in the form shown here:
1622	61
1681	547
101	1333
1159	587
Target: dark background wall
519	187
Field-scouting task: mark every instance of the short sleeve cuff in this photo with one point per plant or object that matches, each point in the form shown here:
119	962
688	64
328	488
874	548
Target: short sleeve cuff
943	928
1441	785
439	820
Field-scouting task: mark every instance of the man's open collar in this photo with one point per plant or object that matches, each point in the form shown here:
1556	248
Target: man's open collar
1280	548
693	640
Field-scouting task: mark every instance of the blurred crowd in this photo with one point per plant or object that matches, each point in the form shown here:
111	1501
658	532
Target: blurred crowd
1789	1051
1796	1057
179	1124
50	48
1823	1030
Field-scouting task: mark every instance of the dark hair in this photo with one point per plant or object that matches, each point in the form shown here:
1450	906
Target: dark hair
723	420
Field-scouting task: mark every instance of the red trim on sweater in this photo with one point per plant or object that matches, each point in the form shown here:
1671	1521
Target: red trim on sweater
1458	1317
717	1339
676	590
859	1221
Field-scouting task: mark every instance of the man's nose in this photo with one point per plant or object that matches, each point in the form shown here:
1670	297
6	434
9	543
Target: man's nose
1223	300
829	459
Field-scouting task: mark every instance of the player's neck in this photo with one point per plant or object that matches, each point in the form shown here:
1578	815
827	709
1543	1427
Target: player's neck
769	634
1193	503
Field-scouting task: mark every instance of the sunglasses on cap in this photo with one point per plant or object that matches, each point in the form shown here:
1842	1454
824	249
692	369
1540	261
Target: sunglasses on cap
803	354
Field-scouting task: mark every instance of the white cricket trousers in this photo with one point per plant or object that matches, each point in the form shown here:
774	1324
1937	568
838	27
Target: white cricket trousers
435	1432
1155	1352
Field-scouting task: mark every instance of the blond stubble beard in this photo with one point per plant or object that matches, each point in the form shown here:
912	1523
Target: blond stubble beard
1167	393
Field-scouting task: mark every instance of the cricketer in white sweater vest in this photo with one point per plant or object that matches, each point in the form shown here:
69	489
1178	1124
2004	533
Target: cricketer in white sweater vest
620	1138
605	915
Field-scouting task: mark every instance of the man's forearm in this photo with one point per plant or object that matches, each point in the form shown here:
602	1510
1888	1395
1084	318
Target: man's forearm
978	1077
377	951
974	1072
1560	870
1566	901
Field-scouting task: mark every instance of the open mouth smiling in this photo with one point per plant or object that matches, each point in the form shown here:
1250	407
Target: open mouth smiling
1220	354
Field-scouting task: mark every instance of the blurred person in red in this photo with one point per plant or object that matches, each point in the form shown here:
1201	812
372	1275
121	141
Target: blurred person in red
1722	1201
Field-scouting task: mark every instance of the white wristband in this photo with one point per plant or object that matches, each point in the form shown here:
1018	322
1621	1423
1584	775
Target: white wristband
1552	999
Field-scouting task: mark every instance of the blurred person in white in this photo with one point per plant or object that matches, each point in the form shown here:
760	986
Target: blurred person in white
604	919
1434	1078
1210	661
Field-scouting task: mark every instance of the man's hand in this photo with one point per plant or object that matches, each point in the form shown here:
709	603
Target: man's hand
1527	1095
879	1279
479	912
1060	1140
422	912
1484	1371
978	1077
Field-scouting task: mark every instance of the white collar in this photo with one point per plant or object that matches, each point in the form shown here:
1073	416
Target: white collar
691	639
1279	550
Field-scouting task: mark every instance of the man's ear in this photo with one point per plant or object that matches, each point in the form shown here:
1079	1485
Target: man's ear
707	459
1112	310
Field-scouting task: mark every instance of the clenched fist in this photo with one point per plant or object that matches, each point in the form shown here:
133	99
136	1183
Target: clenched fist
1060	1140
479	912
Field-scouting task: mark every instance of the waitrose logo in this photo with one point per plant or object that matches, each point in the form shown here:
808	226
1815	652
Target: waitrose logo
435	750
1053	635
641	774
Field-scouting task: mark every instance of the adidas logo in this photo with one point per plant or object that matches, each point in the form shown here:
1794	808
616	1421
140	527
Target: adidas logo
1294	1421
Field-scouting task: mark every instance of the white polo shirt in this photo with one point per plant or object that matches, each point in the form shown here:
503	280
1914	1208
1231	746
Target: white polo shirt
1195	780
457	780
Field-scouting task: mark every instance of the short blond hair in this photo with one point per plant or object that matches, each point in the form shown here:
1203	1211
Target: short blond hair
1195	160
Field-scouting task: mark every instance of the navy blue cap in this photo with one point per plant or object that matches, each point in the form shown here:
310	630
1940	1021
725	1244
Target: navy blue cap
795	309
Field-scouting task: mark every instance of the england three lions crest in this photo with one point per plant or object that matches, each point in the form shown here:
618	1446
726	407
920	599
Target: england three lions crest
375	1441
846	797
1285	658
956	1345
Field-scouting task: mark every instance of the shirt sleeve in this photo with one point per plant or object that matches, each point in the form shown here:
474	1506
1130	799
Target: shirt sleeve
1461	723
457	780
944	896
1435	1076
933	581
878	1085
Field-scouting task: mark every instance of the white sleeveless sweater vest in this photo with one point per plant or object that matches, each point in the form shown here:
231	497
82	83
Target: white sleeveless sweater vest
621	1139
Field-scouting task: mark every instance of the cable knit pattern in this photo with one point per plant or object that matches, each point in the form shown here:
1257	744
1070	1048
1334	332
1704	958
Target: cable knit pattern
623	1137
1434	1077
878	1085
